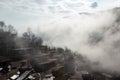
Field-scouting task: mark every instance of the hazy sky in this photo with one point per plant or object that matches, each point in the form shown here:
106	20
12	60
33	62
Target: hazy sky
31	12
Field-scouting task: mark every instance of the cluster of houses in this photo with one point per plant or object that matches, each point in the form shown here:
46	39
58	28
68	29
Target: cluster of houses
39	66
27	64
16	70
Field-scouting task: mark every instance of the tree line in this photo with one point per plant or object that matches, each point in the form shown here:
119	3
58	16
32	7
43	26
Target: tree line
9	40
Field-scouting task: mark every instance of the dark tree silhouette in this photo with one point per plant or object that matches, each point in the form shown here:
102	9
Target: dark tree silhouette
31	39
7	36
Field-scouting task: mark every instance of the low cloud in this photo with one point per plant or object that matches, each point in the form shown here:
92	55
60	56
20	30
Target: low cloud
95	36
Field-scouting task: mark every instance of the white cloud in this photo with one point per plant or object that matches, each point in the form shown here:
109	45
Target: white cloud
116	3
39	7
73	32
42	6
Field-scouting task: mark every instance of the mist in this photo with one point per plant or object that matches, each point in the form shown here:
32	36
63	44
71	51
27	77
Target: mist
94	35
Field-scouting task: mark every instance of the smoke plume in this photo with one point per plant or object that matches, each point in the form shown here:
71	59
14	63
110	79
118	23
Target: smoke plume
94	35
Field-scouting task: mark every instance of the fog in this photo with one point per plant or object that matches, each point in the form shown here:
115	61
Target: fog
94	35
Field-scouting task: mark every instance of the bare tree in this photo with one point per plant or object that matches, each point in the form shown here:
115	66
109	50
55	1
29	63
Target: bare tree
31	39
6	38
